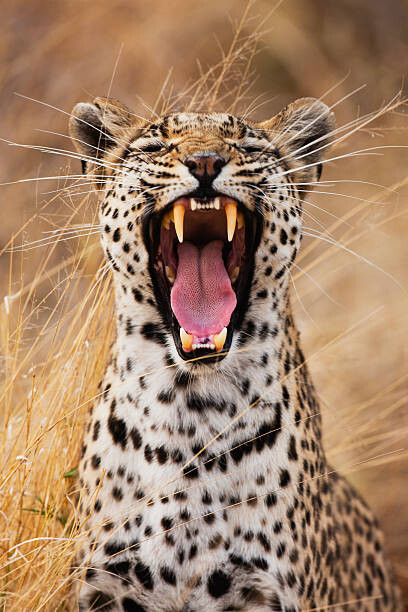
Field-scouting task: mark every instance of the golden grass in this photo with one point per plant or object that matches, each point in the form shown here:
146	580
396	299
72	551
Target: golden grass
56	321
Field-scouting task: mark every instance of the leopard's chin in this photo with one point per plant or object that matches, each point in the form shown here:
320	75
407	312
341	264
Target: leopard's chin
201	258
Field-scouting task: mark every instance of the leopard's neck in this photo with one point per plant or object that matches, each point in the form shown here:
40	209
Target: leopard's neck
261	397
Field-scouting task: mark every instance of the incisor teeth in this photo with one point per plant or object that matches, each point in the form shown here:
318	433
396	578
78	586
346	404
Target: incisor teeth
178	211
219	339
186	339
210	205
231	212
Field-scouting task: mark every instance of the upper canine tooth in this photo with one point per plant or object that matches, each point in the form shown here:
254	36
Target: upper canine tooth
178	211
193	204
231	212
219	339
186	340
217	203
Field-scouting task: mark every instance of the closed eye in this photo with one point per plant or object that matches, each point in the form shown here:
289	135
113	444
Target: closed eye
152	147
253	148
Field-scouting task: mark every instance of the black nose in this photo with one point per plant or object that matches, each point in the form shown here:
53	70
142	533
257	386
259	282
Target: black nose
205	166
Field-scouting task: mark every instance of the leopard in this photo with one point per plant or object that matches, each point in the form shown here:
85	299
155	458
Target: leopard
204	481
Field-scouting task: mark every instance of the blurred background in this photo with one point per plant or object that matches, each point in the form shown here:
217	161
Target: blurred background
351	306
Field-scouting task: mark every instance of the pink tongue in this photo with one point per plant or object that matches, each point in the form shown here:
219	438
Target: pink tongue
202	297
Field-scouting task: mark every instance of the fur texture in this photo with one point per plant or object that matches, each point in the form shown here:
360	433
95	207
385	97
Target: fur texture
205	486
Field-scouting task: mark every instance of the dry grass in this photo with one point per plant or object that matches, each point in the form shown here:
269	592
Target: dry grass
56	321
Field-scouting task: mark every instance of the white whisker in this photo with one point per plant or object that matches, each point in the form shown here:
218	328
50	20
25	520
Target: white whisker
360	257
79	141
299	299
317	285
42	242
342	181
60	111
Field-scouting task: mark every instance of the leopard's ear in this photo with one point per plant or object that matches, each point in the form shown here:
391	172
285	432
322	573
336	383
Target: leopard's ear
302	132
96	129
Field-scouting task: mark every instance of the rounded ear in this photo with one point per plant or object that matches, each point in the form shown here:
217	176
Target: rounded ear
98	128
302	132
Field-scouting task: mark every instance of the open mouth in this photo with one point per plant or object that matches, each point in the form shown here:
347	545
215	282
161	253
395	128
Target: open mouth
201	263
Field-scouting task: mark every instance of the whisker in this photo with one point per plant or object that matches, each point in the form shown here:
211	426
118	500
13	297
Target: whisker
330	214
72	228
43	178
81	193
356	124
67	188
42	242
300	300
274	203
357	153
60	110
317	285
342	181
348	196
322	114
71	154
359	123
360	257
79	141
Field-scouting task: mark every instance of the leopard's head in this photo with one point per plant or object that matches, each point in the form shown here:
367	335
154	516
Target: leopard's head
201	210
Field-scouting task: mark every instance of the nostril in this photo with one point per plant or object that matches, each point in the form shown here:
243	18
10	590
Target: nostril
219	163
205	166
191	163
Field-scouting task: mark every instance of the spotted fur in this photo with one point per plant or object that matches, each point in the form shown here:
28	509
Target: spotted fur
205	486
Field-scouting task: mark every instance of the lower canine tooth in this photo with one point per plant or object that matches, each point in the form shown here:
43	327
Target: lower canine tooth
170	274
217	203
219	339
186	340
193	204
234	274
